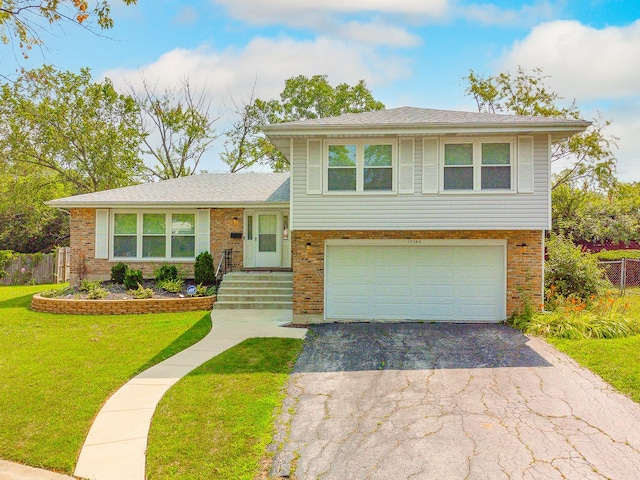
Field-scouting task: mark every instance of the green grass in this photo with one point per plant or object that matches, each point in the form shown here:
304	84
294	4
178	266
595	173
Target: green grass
216	422
616	360
56	371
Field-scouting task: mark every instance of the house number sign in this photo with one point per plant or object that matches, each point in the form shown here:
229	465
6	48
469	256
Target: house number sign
414	242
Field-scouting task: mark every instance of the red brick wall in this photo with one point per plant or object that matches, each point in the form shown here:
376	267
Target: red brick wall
83	221
524	264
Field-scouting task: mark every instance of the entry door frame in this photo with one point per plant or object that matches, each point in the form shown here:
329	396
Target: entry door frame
253	257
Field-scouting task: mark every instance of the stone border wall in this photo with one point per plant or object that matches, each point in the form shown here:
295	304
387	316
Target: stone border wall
120	307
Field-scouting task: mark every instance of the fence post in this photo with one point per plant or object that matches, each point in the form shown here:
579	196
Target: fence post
623	276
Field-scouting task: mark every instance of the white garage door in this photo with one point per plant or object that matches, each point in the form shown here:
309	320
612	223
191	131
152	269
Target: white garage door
458	282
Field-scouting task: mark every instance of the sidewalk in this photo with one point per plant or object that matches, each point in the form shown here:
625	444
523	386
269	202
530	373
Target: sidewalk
116	445
16	471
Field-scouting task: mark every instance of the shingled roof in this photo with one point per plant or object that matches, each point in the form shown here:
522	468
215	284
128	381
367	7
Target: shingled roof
206	190
425	120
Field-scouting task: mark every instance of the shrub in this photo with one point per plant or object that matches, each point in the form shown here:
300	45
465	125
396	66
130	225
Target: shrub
204	291
118	271
87	286
140	292
5	259
203	269
617	254
574	318
97	293
571	272
173	286
132	279
166	272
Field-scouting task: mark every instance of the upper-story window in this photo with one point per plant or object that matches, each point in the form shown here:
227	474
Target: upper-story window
157	235
360	166
478	165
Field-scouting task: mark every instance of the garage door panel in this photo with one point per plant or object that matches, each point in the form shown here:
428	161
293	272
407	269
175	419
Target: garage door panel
447	283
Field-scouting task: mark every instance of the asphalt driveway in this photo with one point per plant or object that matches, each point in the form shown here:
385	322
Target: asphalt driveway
449	401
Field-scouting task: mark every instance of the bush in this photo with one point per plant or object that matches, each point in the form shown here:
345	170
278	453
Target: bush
173	286
204	291
571	273
97	293
203	269
617	254
573	318
132	279
140	292
118	272
166	272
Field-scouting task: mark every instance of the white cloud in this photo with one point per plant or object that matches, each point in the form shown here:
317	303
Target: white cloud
583	62
489	14
266	62
379	34
296	11
187	16
625	126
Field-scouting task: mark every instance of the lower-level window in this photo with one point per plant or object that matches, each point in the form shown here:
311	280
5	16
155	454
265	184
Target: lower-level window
154	235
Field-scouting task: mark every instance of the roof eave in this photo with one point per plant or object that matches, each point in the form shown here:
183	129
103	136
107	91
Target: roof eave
432	129
165	204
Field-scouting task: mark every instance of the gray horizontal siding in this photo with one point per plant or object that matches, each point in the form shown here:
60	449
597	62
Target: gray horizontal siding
422	212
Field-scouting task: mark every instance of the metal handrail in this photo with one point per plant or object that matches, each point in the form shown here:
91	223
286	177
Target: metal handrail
225	264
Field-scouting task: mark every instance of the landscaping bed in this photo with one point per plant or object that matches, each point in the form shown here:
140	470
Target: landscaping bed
116	299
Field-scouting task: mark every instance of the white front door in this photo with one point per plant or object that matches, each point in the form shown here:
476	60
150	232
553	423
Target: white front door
268	239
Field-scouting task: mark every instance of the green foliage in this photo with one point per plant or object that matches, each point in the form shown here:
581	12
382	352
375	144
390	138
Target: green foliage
97	293
203	269
524	93
166	272
573	318
204	291
84	133
132	278
118	272
178	129
617	254
140	292
57	292
87	285
173	286
5	259
594	216
302	98
21	21
571	273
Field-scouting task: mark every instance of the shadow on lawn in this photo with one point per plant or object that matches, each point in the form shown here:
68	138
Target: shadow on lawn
17	302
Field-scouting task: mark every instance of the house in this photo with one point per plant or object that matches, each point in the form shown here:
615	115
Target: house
406	213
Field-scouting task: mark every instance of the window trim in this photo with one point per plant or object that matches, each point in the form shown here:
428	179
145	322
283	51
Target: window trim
477	143
360	143
139	235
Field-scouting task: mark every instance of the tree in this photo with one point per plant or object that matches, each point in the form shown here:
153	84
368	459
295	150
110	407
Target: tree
84	132
178	129
22	20
302	98
588	154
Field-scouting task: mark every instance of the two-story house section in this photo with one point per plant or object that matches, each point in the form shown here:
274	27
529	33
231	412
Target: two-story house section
418	214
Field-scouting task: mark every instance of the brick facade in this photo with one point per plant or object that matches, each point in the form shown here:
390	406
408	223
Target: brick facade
524	264
84	263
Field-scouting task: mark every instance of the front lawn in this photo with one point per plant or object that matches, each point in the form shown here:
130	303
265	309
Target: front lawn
56	371
616	360
217	421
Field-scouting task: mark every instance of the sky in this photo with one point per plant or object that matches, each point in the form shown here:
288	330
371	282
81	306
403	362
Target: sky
409	52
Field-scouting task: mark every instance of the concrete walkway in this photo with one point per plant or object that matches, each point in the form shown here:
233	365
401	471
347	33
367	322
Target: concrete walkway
116	445
16	471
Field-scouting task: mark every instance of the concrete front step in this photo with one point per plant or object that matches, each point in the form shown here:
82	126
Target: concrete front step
255	290
257	305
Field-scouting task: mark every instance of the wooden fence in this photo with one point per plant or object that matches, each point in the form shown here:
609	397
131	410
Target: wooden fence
36	269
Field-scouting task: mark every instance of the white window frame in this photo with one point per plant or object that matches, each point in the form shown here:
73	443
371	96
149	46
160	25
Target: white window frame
139	235
477	163
360	143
